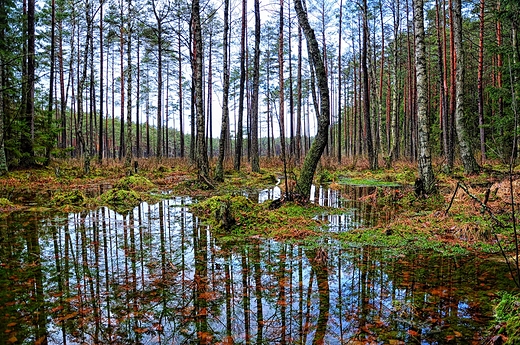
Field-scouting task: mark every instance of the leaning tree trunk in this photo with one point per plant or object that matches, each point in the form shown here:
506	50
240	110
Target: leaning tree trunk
466	152
316	150
425	163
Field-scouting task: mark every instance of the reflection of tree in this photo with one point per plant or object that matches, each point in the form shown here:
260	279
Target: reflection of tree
159	274
258	293
318	259
200	286
39	314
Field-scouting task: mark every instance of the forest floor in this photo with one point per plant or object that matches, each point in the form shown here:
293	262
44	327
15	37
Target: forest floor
469	213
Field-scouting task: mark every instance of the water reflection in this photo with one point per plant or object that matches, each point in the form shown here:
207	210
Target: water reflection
157	276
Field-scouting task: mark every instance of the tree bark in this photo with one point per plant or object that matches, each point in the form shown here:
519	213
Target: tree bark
466	152
424	159
316	150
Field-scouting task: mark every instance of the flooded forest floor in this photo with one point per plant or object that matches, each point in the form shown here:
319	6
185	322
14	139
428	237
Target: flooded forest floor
366	261
469	213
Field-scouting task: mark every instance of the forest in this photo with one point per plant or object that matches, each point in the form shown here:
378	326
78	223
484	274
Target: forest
118	80
259	172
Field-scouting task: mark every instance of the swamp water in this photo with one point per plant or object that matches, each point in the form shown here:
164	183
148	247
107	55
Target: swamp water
158	276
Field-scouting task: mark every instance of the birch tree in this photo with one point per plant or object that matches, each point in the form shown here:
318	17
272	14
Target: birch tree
424	157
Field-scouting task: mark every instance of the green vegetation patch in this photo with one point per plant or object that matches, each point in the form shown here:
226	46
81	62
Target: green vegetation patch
240	216
366	182
134	182
121	199
66	198
5	203
507	316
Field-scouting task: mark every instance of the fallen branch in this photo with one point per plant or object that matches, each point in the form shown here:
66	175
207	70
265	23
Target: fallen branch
482	204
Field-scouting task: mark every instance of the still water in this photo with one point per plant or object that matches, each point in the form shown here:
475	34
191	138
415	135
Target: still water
158	276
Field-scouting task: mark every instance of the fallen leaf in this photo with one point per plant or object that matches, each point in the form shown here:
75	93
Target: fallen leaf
412	333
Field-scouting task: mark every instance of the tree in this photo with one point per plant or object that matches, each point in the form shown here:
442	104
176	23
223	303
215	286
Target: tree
238	134
316	150
372	155
29	78
101	91
160	17
224	130
424	159
202	152
466	151
128	153
3	160
255	164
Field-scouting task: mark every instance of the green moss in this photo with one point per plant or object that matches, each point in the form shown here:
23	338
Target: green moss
73	198
240	216
325	176
121	199
507	313
5	203
224	212
134	182
366	182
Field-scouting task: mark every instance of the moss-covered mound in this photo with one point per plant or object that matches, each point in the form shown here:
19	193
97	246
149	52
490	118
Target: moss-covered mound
507	314
224	212
121	199
68	198
134	182
240	215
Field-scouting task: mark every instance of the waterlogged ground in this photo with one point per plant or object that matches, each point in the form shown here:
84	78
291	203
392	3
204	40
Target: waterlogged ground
157	275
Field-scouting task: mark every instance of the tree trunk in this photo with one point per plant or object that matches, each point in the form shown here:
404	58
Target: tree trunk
282	99
159	33
27	134
128	153
424	161
101	91
479	82
50	104
202	152
339	79
181	102
255	163
224	129
122	86
466	152
3	160
299	100
316	150
238	134
372	156
393	152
